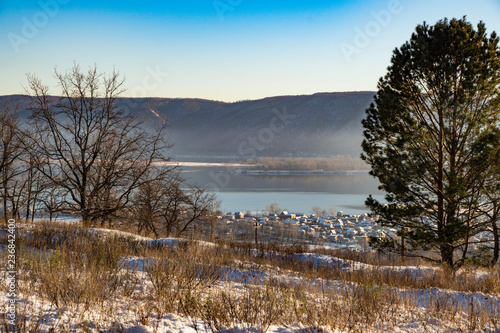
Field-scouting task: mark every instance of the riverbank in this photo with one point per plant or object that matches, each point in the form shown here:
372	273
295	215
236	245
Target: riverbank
297	172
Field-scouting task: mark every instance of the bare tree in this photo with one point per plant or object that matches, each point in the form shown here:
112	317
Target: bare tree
32	184
89	149
273	208
214	217
10	151
171	207
199	207
150	203
319	211
51	199
186	205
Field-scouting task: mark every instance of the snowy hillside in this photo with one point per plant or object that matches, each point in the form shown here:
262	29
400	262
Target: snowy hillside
101	280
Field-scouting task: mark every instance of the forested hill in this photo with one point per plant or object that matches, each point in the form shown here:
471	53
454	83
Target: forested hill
322	124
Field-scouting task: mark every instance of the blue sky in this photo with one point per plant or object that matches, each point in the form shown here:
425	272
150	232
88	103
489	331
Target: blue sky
225	50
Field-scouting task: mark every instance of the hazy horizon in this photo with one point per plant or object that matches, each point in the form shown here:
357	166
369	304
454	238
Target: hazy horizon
220	101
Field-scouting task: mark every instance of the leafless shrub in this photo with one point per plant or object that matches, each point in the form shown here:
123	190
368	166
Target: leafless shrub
79	274
258	307
29	318
177	277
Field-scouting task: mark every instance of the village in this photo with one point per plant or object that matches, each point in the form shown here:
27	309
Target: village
340	230
336	230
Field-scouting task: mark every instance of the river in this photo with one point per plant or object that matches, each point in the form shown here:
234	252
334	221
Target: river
296	193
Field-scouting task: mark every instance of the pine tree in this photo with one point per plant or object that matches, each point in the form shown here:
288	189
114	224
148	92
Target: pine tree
425	133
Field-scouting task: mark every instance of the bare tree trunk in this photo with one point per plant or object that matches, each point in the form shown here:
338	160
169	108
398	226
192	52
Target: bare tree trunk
403	245
5	217
256	235
86	220
33	210
28	206
496	242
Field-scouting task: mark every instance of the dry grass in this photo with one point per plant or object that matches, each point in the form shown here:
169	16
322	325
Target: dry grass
382	272
82	285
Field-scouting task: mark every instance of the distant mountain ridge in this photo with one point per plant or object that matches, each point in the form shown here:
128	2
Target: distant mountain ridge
321	124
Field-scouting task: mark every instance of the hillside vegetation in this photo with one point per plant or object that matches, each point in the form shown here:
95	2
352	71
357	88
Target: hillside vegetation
95	280
336	163
323	124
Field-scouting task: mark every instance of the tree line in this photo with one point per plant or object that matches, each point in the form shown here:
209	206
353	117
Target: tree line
334	163
79	154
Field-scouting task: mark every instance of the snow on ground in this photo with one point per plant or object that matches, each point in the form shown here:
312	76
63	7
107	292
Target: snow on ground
146	240
136	263
248	274
350	265
59	219
233	274
235	279
176	242
239	275
462	300
124	320
117	233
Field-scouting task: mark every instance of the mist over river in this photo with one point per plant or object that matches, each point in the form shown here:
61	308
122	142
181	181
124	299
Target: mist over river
295	192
